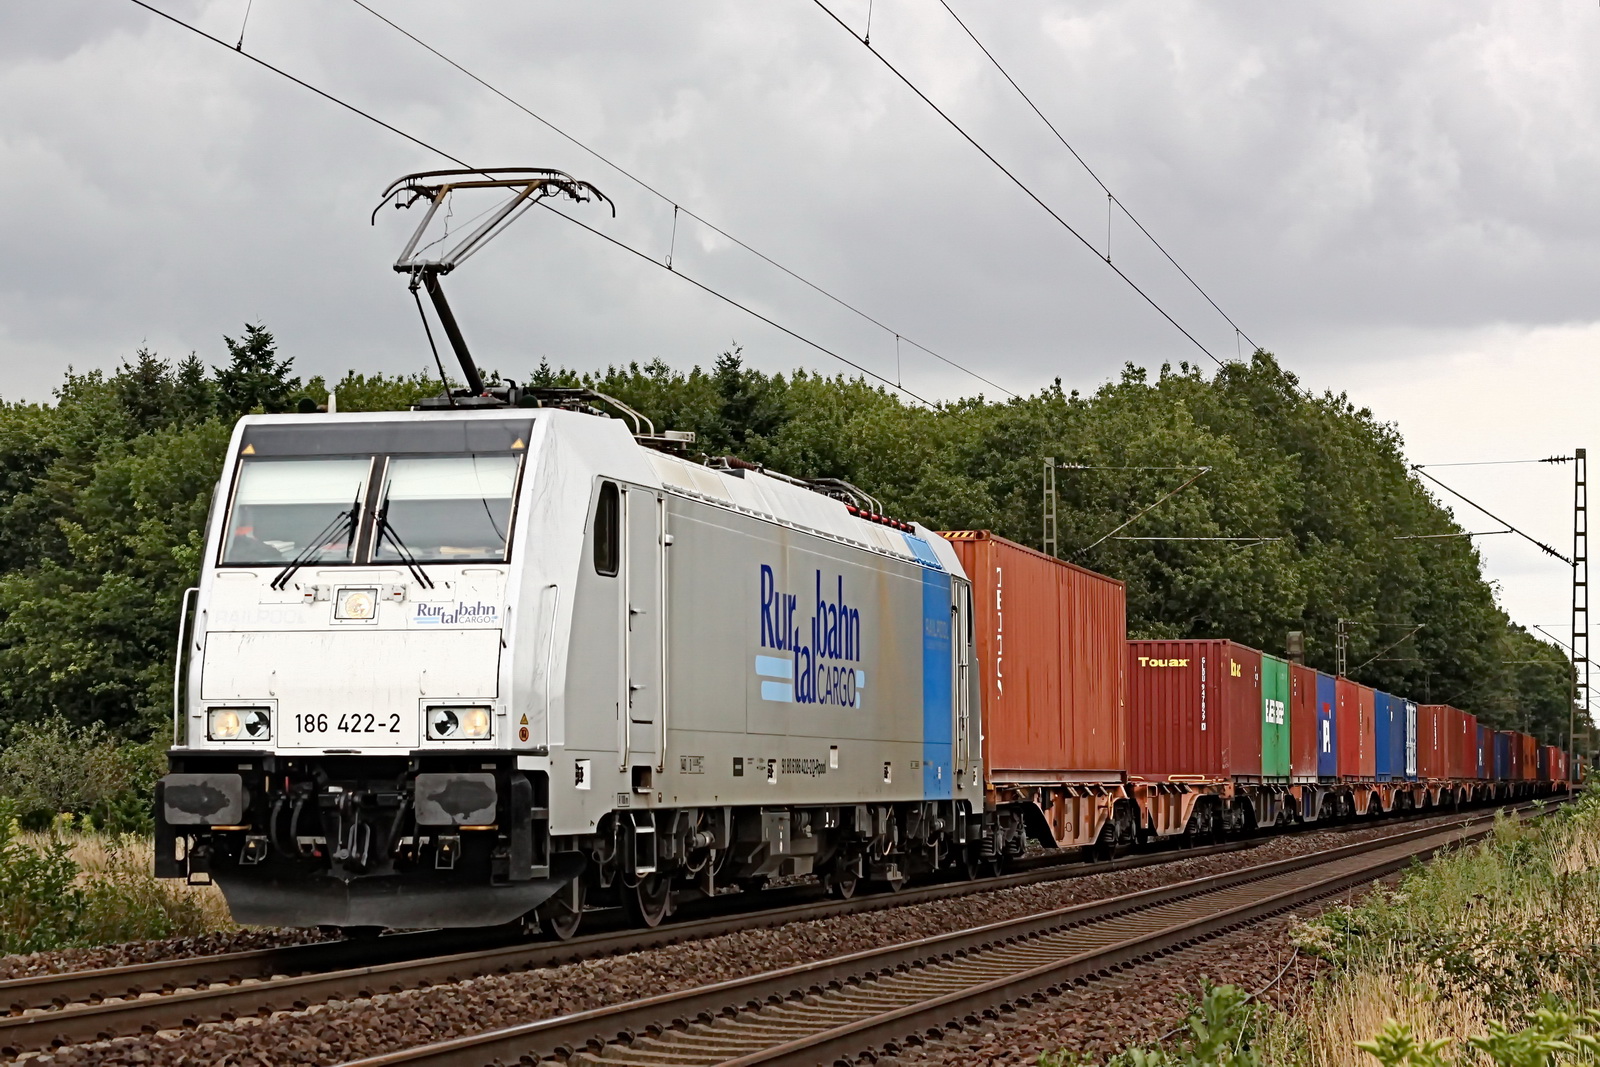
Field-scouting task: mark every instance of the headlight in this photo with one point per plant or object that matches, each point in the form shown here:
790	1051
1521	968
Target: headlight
232	724
356	604
473	724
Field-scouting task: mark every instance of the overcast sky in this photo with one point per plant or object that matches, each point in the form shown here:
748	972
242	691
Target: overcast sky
1399	199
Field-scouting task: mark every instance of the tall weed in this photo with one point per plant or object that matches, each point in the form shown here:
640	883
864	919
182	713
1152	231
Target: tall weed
1476	943
63	890
40	900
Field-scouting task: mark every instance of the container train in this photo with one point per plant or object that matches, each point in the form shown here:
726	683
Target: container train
478	665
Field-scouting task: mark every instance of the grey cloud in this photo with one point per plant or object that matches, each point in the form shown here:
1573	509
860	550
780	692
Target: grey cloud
1338	169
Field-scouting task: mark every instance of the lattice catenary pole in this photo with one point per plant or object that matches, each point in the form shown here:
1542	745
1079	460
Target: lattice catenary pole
1580	594
1050	506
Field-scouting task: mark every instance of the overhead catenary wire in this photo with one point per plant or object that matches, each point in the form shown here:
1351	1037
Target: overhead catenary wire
463	163
1436	537
1145	511
676	205
1020	184
1409	633
1111	198
1525	536
1496	462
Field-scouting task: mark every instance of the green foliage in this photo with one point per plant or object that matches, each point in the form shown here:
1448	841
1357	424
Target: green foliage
1550	1036
40	902
104	493
48	900
1500	924
255	379
54	768
124	901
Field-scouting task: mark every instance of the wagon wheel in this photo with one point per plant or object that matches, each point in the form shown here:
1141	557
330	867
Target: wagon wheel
844	877
560	916
970	865
649	902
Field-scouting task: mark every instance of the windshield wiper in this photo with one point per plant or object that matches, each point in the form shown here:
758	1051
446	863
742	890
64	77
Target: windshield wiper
314	547
386	532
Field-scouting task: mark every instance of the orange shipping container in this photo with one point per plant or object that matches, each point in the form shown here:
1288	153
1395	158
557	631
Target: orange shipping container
1528	765
1455	756
1050	638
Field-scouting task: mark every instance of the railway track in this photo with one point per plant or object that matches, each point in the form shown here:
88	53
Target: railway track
835	1009
85	1006
79	1006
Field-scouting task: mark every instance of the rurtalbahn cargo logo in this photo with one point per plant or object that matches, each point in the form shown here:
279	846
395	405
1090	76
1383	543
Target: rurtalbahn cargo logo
816	664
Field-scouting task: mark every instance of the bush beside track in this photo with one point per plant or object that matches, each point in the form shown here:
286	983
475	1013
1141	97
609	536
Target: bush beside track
1487	955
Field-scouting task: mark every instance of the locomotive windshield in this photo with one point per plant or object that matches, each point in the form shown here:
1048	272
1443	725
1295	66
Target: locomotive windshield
312	511
288	508
446	508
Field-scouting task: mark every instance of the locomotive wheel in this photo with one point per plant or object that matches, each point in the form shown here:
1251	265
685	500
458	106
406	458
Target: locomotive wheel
561	915
649	902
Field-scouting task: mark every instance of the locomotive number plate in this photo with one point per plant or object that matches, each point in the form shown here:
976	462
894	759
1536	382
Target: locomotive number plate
349	729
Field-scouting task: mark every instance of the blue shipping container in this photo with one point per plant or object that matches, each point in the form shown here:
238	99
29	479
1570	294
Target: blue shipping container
1410	755
1383	728
1502	756
1483	750
1327	726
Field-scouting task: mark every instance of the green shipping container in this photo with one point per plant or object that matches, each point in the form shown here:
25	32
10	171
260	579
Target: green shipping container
1274	717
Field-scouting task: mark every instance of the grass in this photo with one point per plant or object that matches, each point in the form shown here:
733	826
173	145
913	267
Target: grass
1487	955
1482	937
67	890
127	902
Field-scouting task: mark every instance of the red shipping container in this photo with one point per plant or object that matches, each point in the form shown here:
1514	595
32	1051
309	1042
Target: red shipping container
1430	753
1468	765
1194	710
1357	755
1302	723
1050	641
1458	735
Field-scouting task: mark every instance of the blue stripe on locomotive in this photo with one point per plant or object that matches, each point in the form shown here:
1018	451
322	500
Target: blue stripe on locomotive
937	706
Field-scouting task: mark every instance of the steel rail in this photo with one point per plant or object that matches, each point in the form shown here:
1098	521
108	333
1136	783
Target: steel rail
136	979
594	1035
93	986
110	1002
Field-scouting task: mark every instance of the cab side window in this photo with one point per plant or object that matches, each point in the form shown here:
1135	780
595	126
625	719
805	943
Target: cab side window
608	530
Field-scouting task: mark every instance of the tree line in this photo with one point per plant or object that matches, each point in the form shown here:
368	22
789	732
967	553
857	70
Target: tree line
1294	524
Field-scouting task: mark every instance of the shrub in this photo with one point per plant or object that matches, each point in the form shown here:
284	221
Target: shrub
40	902
1217	1034
53	768
63	891
1550	1036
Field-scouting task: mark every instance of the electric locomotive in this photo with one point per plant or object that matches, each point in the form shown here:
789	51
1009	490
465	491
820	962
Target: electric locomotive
469	666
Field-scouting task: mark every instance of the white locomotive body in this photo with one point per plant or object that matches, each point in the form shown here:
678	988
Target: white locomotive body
465	667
